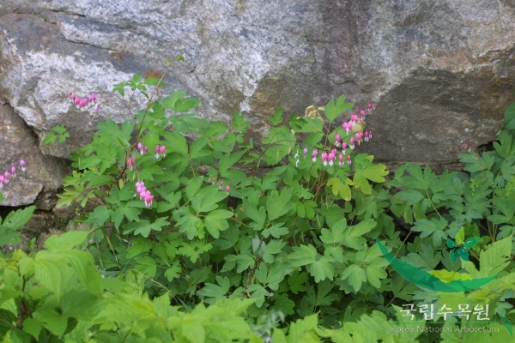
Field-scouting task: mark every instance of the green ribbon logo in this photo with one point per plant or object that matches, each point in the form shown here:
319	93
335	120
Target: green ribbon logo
427	280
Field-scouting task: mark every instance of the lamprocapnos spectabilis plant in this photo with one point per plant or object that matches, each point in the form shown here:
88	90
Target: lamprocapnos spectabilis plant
201	228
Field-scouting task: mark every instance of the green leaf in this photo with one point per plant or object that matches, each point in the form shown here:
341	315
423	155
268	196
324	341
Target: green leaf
460	236
32	326
50	138
297	281
18	218
313	139
278	204
335	108
340	188
509	118
127	210
52	269
412	196
216	221
244	261
193	187
277	118
434	227
110	129
277	230
321	269
257	215
216	291
355	275
303	255
310	125
496	257
173	272
146	265
353	236
66	241
188	224
169	102
185	105
373	173
196	148
207	199
176	143
272	248
228	160
239	123
158	225
337	233
170	200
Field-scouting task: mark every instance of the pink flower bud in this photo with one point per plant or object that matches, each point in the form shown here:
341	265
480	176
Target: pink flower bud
97	107
227	189
305	151
140	147
351	143
354	118
348	160
2	181
362	114
22	165
341	160
13	171
76	101
162	151
221	185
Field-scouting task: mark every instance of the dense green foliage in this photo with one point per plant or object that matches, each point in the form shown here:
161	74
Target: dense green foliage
289	239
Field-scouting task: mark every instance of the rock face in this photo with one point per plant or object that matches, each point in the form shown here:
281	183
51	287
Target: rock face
440	71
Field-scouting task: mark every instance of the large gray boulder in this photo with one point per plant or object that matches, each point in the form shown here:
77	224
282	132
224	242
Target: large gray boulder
440	71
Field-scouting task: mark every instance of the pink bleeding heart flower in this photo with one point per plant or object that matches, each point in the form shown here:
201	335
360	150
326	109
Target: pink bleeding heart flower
359	136
314	155
130	162
324	159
